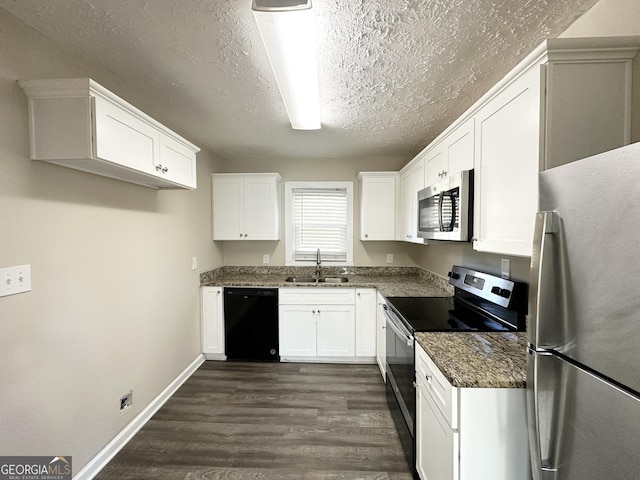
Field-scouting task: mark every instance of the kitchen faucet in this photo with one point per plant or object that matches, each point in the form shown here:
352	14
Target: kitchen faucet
318	265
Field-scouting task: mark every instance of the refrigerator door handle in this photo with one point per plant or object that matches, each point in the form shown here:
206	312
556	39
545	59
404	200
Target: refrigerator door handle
543	289
543	445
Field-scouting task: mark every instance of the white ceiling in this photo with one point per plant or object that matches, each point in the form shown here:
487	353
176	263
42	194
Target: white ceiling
393	73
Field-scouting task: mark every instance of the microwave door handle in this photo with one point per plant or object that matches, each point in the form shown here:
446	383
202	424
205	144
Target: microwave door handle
453	212
440	221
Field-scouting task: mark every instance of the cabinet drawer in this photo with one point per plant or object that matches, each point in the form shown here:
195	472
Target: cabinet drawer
444	395
317	295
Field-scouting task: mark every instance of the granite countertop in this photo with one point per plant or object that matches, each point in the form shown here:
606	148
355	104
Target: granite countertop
478	360
390	281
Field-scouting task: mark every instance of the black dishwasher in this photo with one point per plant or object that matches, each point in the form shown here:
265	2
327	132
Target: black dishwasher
251	324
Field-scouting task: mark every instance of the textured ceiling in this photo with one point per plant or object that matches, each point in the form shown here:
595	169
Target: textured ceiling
393	73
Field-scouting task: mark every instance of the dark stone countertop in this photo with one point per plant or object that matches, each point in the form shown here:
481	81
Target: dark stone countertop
390	281
478	360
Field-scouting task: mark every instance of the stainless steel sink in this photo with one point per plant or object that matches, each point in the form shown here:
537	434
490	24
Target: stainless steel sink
313	280
300	279
334	280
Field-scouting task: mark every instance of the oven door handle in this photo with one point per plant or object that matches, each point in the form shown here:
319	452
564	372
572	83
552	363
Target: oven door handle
400	331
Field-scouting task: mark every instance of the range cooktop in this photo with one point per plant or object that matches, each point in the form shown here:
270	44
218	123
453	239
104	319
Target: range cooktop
482	302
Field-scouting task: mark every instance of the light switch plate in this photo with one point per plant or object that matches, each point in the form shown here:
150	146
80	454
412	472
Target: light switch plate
194	263
265	258
15	280
389	257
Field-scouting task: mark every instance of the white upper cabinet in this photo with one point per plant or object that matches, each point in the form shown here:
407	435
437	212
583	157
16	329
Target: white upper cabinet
411	182
506	173
378	192
79	124
246	206
571	98
452	154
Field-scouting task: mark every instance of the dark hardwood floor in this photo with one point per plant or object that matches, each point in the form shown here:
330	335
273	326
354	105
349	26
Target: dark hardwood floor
269	421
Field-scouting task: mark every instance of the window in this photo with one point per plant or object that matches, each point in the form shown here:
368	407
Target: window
319	215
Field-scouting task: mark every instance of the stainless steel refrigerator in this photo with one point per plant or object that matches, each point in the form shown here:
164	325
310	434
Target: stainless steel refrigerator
583	326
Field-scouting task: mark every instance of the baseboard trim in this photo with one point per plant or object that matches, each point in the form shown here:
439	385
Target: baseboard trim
114	446
354	360
215	356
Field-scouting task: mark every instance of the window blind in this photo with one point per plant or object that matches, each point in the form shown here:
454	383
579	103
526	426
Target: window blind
320	222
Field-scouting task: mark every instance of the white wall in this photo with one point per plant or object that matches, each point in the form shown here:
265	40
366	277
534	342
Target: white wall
115	304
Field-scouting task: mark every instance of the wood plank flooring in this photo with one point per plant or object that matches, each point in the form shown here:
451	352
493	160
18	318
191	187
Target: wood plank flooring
269	421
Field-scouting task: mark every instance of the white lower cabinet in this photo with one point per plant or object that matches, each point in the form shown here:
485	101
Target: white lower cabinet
335	330
332	324
381	336
366	322
212	323
468	433
437	443
297	330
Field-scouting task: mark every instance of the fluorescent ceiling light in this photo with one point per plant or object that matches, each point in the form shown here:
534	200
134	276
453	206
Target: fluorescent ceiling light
288	32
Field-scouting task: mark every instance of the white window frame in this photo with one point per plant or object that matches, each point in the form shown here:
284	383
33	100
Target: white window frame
288	214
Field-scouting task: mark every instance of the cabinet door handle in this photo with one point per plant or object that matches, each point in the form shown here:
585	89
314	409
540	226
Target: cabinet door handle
245	235
158	168
366	235
165	169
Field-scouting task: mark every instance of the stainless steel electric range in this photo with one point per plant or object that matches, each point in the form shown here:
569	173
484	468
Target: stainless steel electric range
481	302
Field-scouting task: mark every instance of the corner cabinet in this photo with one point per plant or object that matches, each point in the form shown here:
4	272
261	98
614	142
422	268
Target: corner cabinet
246	206
570	99
378	200
468	433
77	123
212	312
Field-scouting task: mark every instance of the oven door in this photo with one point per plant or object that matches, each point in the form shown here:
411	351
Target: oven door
401	367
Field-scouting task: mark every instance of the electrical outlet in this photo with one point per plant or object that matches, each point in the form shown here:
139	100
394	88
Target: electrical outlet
126	401
389	257
194	263
505	268
15	280
265	258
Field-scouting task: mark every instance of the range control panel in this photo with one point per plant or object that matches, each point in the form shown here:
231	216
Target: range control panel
490	287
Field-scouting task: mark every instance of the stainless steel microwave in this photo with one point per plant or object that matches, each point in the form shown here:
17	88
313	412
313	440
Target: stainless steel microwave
445	208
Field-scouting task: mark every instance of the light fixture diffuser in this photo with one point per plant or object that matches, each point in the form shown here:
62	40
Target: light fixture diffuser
288	32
